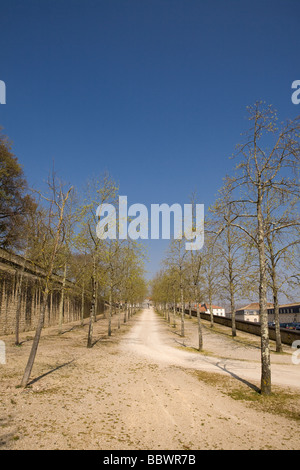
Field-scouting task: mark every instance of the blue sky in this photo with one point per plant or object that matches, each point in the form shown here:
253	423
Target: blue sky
153	91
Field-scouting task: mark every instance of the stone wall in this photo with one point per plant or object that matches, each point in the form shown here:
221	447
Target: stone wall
287	336
12	268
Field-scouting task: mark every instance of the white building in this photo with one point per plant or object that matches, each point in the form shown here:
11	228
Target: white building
220	311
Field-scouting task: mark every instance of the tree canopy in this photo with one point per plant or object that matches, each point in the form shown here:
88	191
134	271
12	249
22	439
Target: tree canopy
15	202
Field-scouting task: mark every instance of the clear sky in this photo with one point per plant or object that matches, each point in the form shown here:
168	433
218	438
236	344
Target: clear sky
153	91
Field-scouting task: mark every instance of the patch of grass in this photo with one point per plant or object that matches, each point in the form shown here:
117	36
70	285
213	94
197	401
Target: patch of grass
281	402
194	350
45	391
204	352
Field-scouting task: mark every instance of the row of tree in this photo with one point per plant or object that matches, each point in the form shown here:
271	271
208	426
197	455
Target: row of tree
251	234
56	230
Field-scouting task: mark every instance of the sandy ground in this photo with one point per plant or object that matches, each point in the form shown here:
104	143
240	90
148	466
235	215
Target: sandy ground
140	389
222	354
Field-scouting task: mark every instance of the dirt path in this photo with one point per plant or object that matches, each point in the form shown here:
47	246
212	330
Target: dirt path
147	339
135	390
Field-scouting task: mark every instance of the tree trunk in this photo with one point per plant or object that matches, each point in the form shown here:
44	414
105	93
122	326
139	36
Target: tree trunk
174	313
119	317
211	313
18	310
276	314
182	312
82	305
275	297
265	347
36	339
110	311
61	304
91	324
19	299
96	302
92	310
231	287
200	336
233	323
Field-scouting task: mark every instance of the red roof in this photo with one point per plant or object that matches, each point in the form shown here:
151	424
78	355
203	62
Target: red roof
255	306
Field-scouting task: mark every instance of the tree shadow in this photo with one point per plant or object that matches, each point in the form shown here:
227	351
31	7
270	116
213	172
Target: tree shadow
176	332
49	372
104	339
180	342
236	339
7	437
68	331
236	377
24	341
98	340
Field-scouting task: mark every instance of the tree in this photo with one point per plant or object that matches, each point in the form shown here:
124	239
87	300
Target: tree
15	202
211	272
195	275
97	192
65	252
57	205
195	265
281	251
269	157
176	262
111	262
29	224
162	290
235	256
78	272
133	287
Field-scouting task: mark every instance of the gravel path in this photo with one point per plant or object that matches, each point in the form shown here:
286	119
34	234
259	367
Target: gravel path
147	339
137	390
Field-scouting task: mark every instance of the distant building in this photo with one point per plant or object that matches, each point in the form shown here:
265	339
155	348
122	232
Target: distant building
287	313
202	309
250	312
220	311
